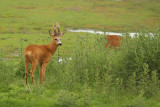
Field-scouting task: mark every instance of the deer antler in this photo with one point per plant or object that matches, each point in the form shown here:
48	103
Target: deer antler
58	26
51	33
54	28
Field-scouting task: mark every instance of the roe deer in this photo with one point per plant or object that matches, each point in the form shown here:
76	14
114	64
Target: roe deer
113	41
41	54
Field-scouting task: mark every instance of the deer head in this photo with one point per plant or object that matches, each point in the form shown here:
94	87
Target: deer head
56	36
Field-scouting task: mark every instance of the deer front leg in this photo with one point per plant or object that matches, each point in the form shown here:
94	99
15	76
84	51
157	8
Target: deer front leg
44	65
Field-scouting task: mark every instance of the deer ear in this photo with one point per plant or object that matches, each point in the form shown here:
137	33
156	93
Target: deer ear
62	33
50	33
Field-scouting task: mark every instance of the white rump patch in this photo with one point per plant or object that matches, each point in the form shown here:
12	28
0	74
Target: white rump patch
29	53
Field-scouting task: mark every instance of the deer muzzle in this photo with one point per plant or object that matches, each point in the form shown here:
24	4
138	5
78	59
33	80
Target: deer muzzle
59	44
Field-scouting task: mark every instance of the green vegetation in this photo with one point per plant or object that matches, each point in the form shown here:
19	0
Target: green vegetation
12	43
96	76
21	16
31	20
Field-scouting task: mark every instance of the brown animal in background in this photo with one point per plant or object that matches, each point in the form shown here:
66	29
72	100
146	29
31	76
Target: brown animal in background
113	41
41	54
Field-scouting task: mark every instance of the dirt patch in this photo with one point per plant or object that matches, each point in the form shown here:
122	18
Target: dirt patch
1	29
3	38
9	37
99	9
117	0
75	9
9	46
23	39
10	16
15	54
21	7
151	22
117	28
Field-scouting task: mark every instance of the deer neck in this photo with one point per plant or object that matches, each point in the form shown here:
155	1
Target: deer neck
52	47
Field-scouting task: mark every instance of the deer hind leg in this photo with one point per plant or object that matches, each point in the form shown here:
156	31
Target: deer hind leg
26	69
34	64
44	65
40	72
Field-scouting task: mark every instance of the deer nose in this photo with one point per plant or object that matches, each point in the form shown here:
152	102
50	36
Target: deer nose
60	44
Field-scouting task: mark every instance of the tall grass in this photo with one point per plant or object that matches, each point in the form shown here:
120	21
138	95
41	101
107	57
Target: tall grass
96	75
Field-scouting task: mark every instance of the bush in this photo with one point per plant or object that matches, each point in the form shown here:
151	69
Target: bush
95	73
94	64
134	53
66	98
7	73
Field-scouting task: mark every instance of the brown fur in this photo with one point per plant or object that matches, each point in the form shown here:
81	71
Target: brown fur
113	41
41	54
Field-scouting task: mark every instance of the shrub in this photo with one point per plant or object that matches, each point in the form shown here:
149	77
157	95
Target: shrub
66	98
133	53
7	73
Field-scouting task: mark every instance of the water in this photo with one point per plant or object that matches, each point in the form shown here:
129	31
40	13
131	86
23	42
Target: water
132	34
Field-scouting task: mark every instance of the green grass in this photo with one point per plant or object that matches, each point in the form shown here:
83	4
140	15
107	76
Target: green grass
12	43
37	16
31	20
96	76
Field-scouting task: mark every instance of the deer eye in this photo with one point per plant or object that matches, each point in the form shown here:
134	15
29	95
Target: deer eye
56	39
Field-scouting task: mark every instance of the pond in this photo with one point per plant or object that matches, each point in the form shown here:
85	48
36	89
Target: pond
132	34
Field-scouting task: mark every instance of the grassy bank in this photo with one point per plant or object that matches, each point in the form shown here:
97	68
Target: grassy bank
96	76
13	44
21	16
29	21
